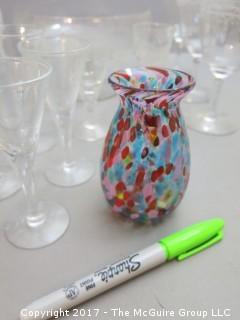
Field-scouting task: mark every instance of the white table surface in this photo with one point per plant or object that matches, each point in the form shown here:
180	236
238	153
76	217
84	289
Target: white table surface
95	237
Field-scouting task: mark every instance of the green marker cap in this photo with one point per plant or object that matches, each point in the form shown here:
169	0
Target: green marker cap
191	240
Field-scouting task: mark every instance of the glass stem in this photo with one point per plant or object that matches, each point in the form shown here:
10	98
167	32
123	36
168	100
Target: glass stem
24	164
65	126
215	100
196	67
91	104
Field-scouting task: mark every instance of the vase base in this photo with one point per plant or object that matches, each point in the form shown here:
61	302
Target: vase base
150	218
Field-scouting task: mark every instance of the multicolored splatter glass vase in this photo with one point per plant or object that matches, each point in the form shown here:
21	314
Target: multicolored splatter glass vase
146	160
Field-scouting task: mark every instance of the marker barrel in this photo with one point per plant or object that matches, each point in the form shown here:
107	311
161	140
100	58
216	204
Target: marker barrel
100	281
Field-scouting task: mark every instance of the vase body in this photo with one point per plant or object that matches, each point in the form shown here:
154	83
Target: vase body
146	160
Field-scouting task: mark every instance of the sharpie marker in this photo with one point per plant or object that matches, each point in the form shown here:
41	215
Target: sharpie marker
180	245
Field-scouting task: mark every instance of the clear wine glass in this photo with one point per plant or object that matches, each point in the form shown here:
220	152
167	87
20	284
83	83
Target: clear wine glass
90	127
178	46
192	34
222	53
10	36
111	32
152	42
23	86
67	55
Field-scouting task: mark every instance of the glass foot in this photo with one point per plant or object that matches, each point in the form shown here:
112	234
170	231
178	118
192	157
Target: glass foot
90	132
220	124
9	184
197	96
70	174
49	225
46	142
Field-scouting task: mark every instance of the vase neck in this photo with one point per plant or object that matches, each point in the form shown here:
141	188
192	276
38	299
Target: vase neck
151	104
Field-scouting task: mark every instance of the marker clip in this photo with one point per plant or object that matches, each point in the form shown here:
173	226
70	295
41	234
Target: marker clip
201	247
